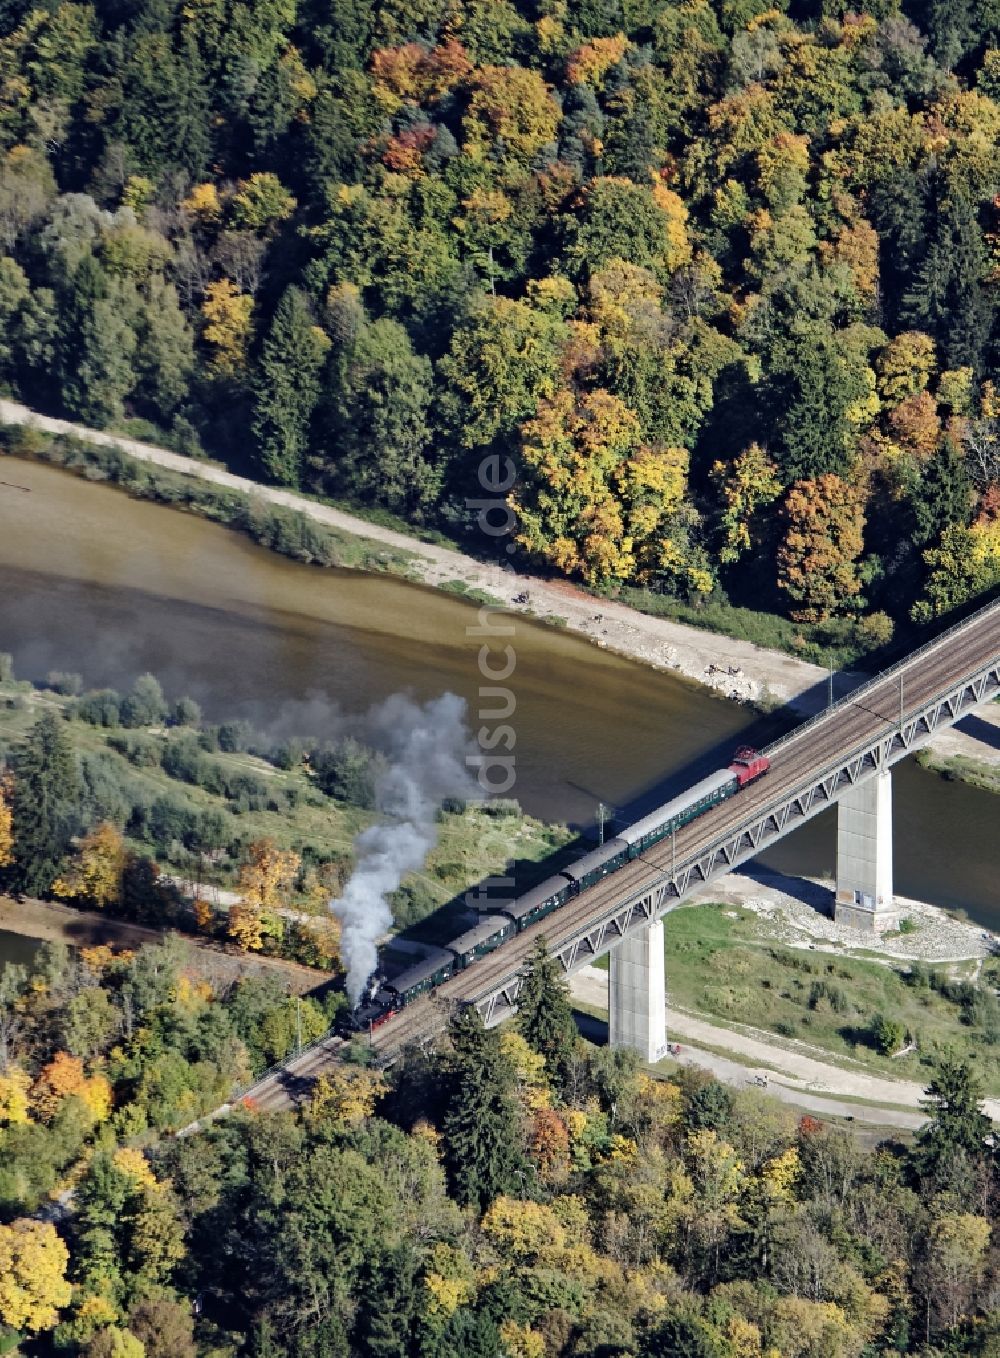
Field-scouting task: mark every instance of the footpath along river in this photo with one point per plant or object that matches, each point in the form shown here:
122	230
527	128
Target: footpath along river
94	582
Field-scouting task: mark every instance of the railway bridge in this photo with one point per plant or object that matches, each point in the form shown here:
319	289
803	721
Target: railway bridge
843	756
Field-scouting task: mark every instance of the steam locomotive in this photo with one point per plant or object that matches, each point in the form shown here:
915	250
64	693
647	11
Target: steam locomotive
382	998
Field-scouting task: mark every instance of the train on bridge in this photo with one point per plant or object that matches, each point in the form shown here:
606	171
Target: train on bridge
384	998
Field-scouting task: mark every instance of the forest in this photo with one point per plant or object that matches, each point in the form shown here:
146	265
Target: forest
514	1193
714	281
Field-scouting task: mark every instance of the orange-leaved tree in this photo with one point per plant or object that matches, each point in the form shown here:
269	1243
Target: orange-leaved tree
818	559
64	1077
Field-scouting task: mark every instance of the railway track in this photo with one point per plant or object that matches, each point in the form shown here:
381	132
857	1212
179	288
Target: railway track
872	712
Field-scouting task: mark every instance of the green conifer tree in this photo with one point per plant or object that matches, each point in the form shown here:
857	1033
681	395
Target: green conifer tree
288	387
45	806
958	1127
480	1127
544	1015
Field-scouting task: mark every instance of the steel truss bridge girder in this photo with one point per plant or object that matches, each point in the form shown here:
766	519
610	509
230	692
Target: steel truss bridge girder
780	818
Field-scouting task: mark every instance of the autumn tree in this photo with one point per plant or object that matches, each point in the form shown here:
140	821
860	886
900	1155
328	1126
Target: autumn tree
817	560
164	1327
63	1078
261	202
544	1014
503	359
33	1285
44	805
746	485
595	501
6	820
951	1269
510	108
96	873
227	326
965	563
14	1102
267	875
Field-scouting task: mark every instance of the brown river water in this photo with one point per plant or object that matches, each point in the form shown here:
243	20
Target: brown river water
94	582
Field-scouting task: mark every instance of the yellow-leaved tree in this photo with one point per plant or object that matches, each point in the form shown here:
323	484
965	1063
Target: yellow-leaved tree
14	1086
6	821
746	484
346	1095
267	876
96	873
228	326
33	1284
595	501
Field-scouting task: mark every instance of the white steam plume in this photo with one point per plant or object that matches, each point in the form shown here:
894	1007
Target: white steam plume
426	746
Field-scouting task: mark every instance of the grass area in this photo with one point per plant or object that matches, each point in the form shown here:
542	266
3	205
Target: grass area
473	843
959	769
470	592
836	642
722	966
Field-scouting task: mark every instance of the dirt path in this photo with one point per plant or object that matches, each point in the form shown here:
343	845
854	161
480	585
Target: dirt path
52	923
796	1077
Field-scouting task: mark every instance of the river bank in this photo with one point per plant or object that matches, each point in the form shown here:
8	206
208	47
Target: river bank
737	670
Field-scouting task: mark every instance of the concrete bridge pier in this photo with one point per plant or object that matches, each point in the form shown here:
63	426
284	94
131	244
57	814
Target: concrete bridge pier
864	855
637	993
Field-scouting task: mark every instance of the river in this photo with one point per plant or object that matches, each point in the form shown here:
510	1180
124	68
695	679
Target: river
95	582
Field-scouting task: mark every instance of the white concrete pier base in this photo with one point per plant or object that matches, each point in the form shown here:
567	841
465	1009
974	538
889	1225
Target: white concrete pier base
637	993
864	856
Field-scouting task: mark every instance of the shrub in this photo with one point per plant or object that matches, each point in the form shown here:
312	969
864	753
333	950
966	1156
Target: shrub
138	748
182	759
186	712
109	792
235	737
888	1035
102	707
62	681
171	820
347	771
